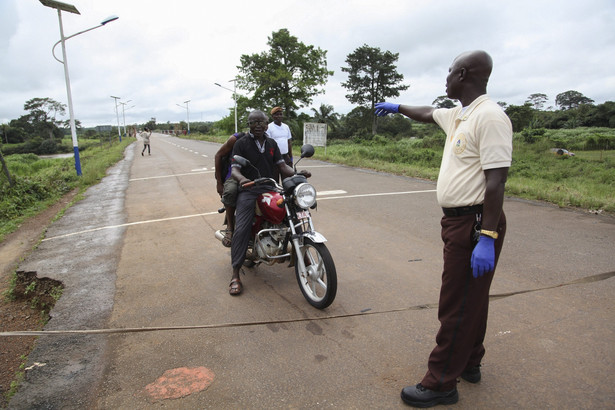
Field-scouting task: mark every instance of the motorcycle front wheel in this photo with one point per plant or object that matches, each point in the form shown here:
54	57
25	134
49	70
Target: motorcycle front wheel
318	282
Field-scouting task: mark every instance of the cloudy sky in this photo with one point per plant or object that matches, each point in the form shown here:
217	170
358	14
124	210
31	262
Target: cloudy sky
161	53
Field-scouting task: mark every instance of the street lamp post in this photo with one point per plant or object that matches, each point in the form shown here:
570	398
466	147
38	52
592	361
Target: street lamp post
124	115
117	114
234	81
71	9
187	112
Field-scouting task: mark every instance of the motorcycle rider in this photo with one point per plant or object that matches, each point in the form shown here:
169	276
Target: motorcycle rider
264	154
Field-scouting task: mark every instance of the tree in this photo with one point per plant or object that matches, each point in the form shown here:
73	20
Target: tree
372	77
151	124
326	114
5	169
521	116
357	122
289	74
571	99
443	102
538	100
397	126
43	113
603	115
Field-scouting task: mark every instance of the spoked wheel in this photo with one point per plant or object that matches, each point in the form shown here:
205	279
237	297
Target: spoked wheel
319	281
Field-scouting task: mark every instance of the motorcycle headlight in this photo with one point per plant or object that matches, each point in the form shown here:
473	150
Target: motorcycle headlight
305	195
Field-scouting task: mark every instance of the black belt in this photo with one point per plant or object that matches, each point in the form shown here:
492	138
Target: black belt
463	210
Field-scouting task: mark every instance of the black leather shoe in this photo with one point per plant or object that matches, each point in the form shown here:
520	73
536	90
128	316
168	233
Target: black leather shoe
472	374
419	396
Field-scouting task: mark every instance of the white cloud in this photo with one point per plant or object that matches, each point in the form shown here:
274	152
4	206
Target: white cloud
160	54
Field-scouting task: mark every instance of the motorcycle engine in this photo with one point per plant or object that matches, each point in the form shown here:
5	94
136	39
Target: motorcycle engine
271	244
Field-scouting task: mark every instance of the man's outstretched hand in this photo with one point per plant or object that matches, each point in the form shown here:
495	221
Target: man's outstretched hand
384	108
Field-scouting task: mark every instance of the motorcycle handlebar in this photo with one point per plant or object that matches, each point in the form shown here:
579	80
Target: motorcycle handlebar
260	181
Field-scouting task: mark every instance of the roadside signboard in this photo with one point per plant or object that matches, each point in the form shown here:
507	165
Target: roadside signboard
315	133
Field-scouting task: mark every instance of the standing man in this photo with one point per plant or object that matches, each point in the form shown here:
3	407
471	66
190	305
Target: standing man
470	190
280	132
264	154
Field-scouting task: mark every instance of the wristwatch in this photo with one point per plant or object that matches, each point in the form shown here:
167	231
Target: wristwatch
491	234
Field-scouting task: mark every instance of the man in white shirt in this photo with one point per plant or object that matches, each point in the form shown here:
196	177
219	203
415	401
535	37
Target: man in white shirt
280	132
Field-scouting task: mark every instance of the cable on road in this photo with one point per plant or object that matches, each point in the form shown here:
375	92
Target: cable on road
364	312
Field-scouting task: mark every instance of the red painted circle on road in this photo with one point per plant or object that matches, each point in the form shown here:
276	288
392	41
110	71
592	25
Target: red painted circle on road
180	382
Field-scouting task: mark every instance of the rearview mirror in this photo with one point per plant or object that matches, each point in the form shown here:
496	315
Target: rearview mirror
241	160
307	151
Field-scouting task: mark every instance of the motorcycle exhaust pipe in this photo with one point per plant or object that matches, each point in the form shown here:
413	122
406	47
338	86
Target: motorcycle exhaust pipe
219	235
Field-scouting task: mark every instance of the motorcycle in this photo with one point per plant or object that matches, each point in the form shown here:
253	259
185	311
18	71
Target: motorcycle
283	231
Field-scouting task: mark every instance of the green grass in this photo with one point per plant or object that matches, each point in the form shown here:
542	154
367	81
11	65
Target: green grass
585	181
39	183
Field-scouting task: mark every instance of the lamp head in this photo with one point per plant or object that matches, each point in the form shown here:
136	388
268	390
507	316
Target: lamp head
109	20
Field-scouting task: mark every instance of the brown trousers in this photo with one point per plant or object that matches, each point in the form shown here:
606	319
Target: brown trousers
463	306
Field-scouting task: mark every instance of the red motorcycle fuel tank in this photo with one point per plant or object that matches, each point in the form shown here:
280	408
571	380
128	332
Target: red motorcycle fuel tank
268	205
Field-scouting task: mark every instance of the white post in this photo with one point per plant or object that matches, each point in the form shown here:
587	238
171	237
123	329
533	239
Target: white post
124	117
73	129
117	114
235	99
188	115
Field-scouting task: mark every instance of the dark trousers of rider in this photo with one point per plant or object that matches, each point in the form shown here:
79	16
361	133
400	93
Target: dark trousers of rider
244	214
463	306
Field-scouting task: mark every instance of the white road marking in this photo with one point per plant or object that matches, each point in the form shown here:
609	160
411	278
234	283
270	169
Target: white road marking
338	192
130	224
169	176
216	212
381	194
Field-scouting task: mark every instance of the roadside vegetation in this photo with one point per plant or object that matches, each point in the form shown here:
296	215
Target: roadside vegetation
39	182
585	180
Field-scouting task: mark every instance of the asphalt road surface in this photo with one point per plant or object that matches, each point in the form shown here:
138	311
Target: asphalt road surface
147	287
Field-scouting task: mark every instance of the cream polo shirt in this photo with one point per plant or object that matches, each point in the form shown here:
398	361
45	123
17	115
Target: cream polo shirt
477	139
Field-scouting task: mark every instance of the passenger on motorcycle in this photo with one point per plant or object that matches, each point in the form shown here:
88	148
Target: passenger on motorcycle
225	185
264	154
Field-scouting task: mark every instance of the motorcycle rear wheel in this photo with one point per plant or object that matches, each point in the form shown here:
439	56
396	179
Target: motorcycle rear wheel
319	281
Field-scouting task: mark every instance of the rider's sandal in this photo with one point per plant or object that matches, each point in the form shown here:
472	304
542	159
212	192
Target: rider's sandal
228	237
235	288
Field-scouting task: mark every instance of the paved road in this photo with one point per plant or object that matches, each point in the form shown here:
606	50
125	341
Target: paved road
140	253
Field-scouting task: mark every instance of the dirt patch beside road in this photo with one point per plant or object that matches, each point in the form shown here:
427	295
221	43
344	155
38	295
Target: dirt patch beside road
23	313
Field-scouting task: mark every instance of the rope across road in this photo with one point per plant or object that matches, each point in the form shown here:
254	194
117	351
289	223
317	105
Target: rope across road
364	312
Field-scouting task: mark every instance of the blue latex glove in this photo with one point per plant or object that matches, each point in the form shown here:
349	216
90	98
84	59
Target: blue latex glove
483	256
384	108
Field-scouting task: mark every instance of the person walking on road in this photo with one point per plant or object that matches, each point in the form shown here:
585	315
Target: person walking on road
145	134
470	190
264	154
